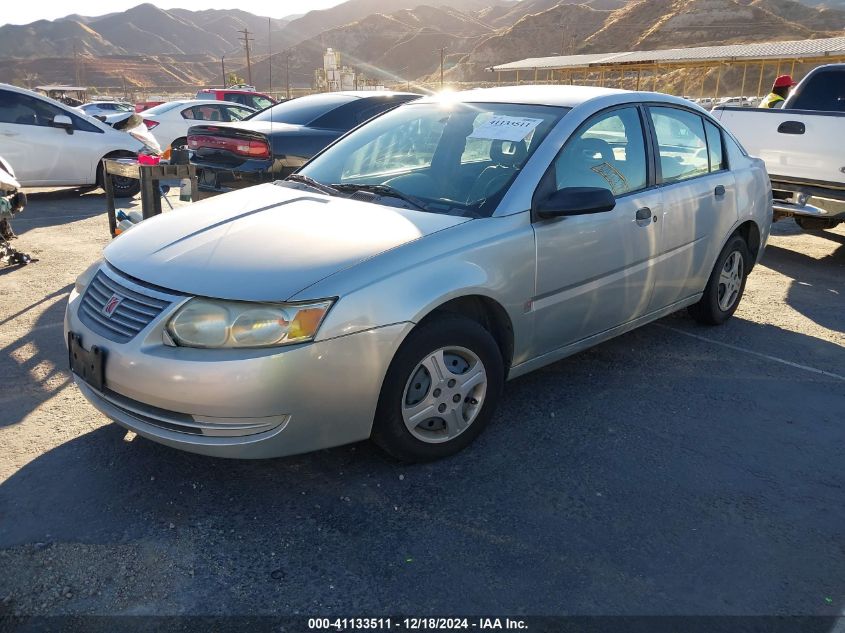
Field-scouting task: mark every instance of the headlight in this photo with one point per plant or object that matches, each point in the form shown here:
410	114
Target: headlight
211	323
87	275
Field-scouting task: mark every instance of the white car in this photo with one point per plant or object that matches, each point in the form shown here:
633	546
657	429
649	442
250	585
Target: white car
104	108
169	122
54	145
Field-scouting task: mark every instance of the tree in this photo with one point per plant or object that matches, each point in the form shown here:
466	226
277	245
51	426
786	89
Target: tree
232	79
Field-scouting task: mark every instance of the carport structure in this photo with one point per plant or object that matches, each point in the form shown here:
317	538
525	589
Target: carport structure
650	70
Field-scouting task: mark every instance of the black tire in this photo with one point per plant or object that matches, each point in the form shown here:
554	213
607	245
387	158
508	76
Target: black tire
437	332
814	224
123	187
707	310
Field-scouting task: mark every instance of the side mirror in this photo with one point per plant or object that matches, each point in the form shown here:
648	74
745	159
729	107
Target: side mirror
63	121
575	201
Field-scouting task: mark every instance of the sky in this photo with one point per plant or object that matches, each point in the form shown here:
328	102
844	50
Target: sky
25	12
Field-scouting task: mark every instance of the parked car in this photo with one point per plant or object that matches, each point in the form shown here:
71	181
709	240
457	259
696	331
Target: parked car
801	144
736	102
391	286
274	142
244	96
105	108
52	144
148	103
169	122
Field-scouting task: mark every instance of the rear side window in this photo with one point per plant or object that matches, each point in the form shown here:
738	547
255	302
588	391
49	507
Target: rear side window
304	110
203	113
824	91
715	147
682	144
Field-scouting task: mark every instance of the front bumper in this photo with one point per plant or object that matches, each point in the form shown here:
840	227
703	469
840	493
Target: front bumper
240	403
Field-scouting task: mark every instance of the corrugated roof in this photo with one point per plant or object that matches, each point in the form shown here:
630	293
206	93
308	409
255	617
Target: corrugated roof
796	49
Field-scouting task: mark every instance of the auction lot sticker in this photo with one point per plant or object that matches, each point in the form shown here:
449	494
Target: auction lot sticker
505	128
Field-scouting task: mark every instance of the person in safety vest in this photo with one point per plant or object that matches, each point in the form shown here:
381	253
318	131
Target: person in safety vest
779	93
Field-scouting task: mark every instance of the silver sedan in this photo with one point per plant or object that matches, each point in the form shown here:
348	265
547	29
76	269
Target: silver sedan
391	287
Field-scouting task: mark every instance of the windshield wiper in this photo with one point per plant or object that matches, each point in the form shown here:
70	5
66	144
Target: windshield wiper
383	190
314	184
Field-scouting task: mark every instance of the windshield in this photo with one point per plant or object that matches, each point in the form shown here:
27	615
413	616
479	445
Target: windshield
450	157
303	110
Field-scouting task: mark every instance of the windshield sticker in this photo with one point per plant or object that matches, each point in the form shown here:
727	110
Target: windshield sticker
612	176
506	128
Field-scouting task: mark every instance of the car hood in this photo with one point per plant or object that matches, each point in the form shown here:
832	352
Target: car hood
264	243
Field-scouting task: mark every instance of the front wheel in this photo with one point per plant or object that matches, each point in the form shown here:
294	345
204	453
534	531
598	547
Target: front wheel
440	391
726	284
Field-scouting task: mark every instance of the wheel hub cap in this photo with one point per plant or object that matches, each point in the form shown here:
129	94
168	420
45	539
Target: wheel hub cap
730	280
444	394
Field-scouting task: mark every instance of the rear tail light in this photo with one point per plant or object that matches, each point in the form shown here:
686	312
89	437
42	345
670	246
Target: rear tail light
150	123
241	147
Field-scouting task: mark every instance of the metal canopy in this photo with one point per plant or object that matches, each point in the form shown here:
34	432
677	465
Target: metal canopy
797	49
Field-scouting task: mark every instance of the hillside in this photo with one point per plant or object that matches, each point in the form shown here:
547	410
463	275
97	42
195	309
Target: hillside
647	24
398	40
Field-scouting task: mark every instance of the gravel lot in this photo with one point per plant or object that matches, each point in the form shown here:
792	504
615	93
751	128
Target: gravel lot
675	470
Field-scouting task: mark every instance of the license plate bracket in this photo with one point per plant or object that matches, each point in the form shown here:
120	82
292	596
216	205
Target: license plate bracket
90	365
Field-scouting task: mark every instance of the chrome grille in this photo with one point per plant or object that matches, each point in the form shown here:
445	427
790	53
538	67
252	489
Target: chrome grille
133	313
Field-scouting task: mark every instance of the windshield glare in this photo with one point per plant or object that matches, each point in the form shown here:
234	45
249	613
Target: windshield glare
454	157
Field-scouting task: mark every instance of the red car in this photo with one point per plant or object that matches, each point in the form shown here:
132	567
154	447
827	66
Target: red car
244	96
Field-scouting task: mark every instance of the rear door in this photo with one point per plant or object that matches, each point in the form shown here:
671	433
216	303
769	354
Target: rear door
699	201
594	272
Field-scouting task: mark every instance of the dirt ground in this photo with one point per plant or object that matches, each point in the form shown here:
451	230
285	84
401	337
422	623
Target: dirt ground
677	469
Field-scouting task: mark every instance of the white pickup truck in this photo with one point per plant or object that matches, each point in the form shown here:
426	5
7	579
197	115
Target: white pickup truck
803	146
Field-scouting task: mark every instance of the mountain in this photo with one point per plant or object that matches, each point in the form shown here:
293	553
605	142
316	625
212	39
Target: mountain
142	30
401	45
644	25
392	40
318	21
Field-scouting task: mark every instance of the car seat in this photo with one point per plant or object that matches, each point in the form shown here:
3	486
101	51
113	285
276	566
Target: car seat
507	160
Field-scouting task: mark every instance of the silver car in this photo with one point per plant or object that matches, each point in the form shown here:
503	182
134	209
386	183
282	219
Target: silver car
389	288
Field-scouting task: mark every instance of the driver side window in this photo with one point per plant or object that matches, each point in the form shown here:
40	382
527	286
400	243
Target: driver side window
608	152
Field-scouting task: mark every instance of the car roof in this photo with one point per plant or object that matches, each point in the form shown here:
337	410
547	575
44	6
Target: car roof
555	95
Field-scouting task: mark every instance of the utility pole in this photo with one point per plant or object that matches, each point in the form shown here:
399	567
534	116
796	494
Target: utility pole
246	40
270	54
76	62
287	72
223	70
442	53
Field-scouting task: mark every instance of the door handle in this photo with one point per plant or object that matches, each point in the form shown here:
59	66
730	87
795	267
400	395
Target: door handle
643	214
719	191
791	127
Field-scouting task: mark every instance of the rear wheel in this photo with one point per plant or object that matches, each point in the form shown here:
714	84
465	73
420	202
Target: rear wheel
440	391
815	224
726	284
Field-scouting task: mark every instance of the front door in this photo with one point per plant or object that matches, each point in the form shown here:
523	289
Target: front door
595	272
